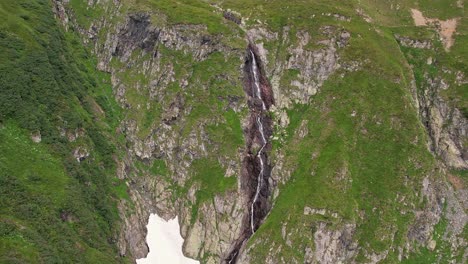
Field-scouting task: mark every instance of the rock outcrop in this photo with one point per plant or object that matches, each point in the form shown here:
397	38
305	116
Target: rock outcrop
446	126
144	60
333	246
136	43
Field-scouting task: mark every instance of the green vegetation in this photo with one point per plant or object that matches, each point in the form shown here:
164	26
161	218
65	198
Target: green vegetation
159	168
54	209
350	164
443	64
364	150
189	12
88	14
354	166
210	176
229	135
210	88
45	214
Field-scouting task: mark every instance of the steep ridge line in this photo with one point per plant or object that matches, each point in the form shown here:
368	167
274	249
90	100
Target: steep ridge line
256	169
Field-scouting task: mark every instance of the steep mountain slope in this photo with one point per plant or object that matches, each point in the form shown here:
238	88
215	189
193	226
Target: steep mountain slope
58	192
298	132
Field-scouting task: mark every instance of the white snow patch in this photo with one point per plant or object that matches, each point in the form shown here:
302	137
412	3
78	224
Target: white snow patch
164	242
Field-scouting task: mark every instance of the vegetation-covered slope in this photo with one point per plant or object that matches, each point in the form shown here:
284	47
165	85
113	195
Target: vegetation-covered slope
369	143
58	194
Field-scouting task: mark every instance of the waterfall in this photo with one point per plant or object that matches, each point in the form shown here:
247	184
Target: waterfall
256	92
257	169
260	174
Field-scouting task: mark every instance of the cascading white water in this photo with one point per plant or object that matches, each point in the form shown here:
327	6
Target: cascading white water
233	258
257	122
260	174
257	93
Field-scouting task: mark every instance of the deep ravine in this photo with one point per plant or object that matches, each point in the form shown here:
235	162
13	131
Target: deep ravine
256	167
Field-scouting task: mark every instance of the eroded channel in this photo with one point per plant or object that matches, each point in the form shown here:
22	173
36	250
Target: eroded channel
256	167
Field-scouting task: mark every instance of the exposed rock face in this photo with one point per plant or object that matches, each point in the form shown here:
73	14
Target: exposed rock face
223	223
148	195
333	246
422	228
233	17
36	137
446	126
60	11
137	43
314	66
312	211
132	238
72	135
80	153
440	195
135	33
413	43
138	33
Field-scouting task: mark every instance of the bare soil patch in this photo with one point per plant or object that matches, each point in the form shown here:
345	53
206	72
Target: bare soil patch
456	182
445	28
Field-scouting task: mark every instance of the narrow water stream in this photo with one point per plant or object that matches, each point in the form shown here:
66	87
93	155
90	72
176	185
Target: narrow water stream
256	86
256	167
164	239
258	94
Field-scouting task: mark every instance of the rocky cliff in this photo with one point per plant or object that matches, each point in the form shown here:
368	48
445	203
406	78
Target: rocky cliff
367	152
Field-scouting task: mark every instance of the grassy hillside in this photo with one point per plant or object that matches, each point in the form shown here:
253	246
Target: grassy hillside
53	209
366	146
358	165
363	157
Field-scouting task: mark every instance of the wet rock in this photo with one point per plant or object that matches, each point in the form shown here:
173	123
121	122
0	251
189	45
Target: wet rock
255	175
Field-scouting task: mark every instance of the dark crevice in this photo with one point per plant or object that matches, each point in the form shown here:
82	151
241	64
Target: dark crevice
255	165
